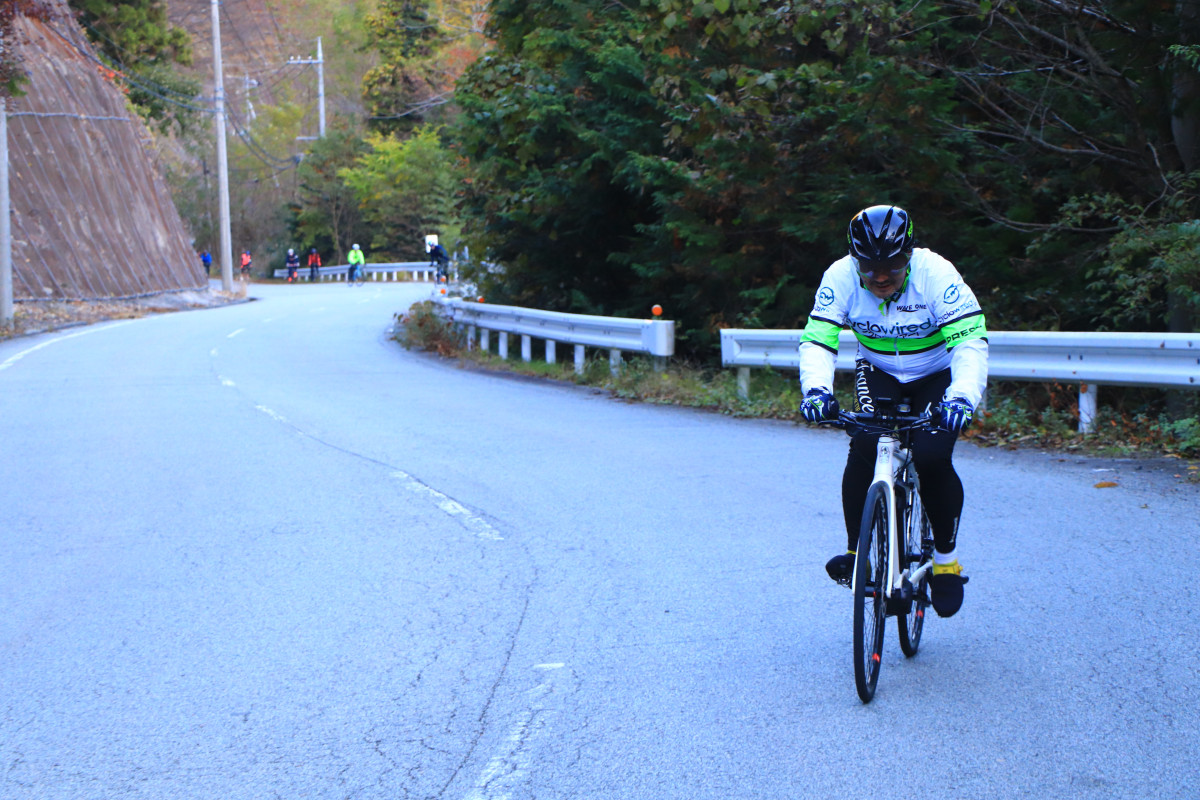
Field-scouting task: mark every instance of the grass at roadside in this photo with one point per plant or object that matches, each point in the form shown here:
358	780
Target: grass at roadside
1017	414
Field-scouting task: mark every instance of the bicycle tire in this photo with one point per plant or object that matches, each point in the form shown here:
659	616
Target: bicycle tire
918	548
870	601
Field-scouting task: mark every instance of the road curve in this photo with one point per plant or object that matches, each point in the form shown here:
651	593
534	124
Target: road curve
262	551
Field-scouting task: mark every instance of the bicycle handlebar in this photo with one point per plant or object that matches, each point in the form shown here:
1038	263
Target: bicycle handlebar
883	421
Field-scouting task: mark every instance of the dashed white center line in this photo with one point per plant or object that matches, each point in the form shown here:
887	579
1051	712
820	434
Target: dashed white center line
472	522
505	771
273	415
235	333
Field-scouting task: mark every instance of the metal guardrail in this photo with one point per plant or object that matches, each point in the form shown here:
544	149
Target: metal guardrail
391	271
655	338
1160	360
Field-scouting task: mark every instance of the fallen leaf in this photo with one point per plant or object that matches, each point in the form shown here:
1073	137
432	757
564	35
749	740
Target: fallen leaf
1107	484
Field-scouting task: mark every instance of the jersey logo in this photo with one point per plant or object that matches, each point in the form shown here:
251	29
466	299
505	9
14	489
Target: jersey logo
951	295
825	296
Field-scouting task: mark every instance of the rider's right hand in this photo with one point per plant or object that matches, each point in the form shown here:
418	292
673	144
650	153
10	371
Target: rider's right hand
819	404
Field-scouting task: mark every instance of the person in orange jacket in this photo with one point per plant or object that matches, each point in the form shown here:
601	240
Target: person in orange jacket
314	265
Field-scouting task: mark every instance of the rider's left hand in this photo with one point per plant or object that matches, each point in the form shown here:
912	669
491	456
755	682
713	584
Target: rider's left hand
818	404
957	414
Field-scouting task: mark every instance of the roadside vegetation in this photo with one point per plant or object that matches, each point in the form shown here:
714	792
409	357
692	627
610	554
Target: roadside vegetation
1130	422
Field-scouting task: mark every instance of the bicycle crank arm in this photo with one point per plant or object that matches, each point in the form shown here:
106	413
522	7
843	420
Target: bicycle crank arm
919	574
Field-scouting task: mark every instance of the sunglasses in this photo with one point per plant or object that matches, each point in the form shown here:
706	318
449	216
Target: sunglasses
894	267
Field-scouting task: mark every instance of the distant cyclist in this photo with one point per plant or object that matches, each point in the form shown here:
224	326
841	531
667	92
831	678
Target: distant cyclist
438	256
293	264
314	265
357	259
247	263
921	334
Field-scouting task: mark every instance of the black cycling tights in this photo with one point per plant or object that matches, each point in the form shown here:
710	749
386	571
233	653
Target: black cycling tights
941	488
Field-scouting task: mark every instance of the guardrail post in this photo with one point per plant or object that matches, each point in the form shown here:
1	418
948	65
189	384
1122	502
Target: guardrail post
485	340
504	345
614	361
470	338
1087	406
578	359
526	348
550	351
743	380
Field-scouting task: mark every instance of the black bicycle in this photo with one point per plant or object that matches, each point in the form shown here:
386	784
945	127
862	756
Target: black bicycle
895	541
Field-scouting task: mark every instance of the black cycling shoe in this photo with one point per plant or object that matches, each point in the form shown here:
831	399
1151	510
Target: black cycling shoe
841	568
946	589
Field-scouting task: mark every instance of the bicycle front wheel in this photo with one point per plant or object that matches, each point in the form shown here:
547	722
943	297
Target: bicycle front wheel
918	549
870	592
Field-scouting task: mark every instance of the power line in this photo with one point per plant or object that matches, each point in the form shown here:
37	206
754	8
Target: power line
257	150
87	54
48	114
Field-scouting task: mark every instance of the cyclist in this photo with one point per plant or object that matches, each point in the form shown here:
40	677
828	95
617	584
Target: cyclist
921	334
439	257
357	259
314	265
293	264
247	263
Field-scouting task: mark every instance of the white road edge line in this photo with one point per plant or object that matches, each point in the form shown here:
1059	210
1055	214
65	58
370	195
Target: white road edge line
15	358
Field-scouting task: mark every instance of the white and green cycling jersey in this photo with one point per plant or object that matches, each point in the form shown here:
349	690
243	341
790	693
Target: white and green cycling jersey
932	323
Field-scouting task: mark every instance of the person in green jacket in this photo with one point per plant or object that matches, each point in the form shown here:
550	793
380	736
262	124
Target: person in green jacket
357	259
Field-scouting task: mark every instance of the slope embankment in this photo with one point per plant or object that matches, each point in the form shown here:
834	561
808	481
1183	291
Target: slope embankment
92	218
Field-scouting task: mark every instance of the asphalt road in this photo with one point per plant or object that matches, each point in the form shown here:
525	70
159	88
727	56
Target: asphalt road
262	551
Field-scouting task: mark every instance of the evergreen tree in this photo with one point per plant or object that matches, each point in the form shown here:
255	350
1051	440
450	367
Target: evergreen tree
326	212
137	40
407	88
405	190
552	120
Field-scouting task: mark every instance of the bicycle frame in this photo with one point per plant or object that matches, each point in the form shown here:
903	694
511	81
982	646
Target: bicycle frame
891	462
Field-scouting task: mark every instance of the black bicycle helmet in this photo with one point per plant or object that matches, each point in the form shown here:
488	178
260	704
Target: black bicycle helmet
880	234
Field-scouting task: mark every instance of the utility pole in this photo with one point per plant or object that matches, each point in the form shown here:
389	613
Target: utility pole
222	155
6	284
320	62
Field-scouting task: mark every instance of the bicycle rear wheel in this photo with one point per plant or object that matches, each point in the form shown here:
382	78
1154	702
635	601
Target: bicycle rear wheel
918	548
870	593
